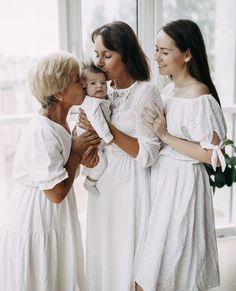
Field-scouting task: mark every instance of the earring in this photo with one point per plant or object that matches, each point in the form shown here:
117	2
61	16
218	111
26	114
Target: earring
58	98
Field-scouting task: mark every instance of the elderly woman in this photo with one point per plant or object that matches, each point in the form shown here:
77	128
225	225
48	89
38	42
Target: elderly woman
40	246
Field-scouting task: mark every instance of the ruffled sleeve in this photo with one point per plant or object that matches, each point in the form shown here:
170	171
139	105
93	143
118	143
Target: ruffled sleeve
149	143
40	159
211	120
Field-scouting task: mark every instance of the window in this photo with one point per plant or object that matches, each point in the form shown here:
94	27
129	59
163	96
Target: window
96	13
28	29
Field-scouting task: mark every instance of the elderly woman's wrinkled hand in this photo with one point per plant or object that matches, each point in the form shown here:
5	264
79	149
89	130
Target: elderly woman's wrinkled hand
154	118
90	158
81	143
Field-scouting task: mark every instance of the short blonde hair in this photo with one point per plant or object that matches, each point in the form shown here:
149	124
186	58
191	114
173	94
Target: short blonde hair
52	75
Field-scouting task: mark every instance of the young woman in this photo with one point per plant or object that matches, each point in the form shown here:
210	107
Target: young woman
117	218
180	251
40	245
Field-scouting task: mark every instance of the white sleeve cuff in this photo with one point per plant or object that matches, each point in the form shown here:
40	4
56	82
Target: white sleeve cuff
216	154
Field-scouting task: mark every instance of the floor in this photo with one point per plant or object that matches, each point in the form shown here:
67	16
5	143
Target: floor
227	259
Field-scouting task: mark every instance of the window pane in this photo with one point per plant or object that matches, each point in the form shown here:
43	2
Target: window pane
217	23
28	29
96	13
10	135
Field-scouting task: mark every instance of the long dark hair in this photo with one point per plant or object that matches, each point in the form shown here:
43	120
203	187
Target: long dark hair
119	36
187	35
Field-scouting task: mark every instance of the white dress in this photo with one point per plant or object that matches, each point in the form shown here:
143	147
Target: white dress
180	251
117	218
40	243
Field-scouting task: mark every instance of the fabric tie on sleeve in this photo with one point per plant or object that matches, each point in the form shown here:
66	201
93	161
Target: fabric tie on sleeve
217	153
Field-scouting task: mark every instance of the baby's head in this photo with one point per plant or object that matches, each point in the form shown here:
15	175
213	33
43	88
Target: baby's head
95	79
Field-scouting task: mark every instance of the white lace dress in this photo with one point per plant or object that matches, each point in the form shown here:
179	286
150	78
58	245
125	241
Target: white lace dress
180	252
117	218
40	243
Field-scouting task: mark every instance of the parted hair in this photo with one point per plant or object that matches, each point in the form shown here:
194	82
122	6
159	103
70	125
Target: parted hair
120	37
51	75
89	66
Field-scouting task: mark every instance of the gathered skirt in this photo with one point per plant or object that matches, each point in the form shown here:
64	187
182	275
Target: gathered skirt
40	244
180	250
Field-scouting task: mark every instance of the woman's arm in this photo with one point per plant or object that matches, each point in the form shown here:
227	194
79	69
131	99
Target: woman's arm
127	143
83	150
193	150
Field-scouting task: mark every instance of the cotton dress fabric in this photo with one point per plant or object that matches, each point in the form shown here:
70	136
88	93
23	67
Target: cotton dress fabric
180	251
97	111
40	243
117	218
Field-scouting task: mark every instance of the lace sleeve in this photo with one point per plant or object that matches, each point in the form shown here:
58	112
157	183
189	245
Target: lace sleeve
149	144
212	121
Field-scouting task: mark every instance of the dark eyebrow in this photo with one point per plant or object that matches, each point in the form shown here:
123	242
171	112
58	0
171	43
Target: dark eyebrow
163	48
107	51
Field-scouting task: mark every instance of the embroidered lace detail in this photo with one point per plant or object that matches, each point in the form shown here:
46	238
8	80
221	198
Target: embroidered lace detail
127	106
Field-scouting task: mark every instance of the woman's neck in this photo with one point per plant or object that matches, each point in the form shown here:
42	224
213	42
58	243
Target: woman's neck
183	79
56	113
123	82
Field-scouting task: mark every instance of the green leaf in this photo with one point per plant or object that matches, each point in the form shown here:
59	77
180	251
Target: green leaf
229	142
219	179
228	173
232	161
234	174
227	159
209	169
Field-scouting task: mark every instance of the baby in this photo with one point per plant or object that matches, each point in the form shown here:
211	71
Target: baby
96	106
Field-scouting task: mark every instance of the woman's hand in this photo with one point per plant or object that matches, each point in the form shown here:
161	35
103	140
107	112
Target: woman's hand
83	121
155	119
81	143
90	158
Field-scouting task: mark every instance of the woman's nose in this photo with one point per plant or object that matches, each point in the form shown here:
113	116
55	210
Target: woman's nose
157	56
100	62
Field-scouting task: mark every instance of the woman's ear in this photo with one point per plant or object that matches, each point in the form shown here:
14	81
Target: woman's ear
58	96
188	56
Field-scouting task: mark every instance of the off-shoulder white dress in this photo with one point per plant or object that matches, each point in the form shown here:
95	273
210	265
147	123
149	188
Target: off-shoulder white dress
180	251
117	218
40	243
